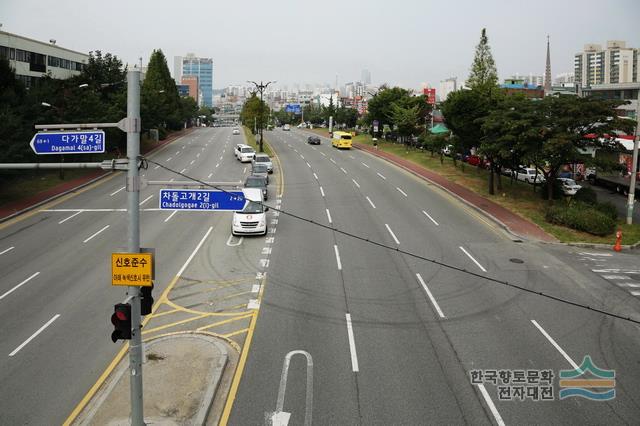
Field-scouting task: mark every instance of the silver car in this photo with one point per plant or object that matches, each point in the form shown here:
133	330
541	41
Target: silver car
263	159
261	170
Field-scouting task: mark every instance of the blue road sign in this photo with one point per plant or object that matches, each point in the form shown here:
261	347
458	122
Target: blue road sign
294	108
201	199
68	142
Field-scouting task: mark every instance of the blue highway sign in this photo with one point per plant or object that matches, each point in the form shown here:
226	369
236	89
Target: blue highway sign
201	199
68	142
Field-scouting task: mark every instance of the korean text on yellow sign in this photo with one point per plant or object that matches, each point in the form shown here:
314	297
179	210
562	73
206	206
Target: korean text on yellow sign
131	269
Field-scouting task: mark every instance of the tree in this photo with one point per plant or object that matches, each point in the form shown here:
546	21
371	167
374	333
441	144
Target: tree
254	113
462	110
406	118
484	75
379	107
346	116
160	103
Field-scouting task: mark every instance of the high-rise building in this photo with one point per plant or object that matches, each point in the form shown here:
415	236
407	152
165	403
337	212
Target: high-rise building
191	81
366	76
203	69
447	86
616	64
177	69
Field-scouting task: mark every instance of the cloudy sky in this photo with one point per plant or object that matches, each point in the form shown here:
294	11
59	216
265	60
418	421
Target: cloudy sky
403	42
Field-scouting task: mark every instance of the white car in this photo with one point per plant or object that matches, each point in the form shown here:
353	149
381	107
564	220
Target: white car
286	128
529	175
569	186
252	219
244	153
261	158
236	131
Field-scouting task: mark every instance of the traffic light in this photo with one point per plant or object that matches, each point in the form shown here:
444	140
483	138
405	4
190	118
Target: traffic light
121	319
146	300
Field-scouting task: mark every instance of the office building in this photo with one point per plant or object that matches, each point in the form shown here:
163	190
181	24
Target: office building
191	81
33	59
447	86
615	64
366	77
203	69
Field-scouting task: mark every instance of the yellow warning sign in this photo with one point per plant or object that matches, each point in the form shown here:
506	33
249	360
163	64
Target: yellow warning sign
135	269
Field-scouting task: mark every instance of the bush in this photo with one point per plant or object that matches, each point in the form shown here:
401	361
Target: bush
586	195
608	209
582	217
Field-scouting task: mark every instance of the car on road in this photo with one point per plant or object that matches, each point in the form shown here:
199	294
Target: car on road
245	153
236	131
313	140
258	169
259	182
263	159
529	175
252	219
286	128
568	186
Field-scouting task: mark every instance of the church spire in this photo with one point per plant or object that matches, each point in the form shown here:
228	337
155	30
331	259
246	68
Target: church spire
547	72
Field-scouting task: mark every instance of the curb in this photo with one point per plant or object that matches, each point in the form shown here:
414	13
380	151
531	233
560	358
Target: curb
75	188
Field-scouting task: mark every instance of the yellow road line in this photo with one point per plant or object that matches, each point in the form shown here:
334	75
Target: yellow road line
215	324
235	333
192	311
173	324
231	342
173	311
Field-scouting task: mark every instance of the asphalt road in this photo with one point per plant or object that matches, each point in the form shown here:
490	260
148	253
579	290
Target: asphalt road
391	338
55	294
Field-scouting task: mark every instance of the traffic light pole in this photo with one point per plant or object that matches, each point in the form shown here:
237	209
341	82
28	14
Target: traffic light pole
133	243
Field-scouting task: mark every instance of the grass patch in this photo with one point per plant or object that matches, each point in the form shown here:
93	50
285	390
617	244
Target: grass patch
251	141
516	196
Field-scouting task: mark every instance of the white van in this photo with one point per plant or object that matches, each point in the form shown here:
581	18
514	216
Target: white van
252	219
245	153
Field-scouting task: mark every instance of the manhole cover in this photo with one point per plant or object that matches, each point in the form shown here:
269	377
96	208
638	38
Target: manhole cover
516	260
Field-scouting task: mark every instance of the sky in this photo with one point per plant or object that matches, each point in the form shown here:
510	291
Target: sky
401	42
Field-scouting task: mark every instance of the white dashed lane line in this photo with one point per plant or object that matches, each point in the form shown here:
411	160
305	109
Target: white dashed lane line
366	165
11	248
329	216
321	191
116	191
67	218
430	218
338	261
146	199
392	234
402	192
19	285
97	233
332	160
433	300
34	335
170	216
352	345
315	176
371	202
356	183
381	176
555	345
474	261
343	170
169	159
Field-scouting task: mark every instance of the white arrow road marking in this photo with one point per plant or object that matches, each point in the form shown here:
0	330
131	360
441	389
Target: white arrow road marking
237	243
280	417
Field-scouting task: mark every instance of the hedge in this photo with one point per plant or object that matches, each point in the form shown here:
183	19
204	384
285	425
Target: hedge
582	217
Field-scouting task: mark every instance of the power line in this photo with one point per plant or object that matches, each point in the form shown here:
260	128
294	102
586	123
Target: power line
416	256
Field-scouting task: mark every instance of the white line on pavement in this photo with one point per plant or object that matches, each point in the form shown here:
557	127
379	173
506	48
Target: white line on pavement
381	176
183	170
352	345
198	154
217	165
628	284
67	218
371	202
7	250
170	216
114	193
433	300
302	156
392	234
209	175
178	152
244	170
156	167
192	255
402	192
492	407
343	170
308	165
19	285
335	248
328	215
34	335
323	154
146	199
595	254
192	161
315	176
332	160
357	184
432	219
474	261
555	345
366	165
88	239
321	191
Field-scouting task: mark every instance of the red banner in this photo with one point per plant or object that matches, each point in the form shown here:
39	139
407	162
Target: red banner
430	93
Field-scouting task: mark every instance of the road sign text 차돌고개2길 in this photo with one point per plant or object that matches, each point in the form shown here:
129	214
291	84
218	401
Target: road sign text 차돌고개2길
199	199
68	142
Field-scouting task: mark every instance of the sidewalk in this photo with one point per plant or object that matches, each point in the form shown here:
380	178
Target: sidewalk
10	210
513	223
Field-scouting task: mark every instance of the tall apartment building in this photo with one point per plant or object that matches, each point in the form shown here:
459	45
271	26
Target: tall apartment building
447	86
33	59
616	64
203	69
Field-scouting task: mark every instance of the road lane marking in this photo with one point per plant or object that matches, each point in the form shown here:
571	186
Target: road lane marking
156	167
170	216
555	345
366	165
302	156
192	255
178	152
616	277
323	154
11	248
114	193
635	293
183	170
335	248
432	219
67	218
209	175
332	160
315	176
345	172
381	176
402	192
244	170
321	191
89	239
308	165
34	335
596	254
329	216
19	285
172	179
357	184
146	199
371	202
192	161
217	165
169	159
352	345
628	284
492	407
474	261
433	299
392	234
198	154
230	244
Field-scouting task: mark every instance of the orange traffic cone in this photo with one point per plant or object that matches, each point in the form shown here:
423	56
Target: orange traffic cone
617	246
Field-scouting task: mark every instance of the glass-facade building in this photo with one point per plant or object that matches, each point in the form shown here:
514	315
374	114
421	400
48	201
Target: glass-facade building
203	69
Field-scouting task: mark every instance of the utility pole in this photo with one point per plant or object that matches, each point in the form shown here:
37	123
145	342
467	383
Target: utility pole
261	87
634	165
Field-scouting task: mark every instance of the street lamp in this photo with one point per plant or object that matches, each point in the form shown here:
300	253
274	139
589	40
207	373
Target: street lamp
261	87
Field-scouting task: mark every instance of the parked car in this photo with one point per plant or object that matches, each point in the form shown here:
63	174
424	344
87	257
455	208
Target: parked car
313	140
263	159
257	182
245	153
529	175
252	219
568	186
286	128
474	160
258	169
236	131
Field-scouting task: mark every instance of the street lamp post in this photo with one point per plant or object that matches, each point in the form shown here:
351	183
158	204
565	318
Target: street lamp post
261	87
